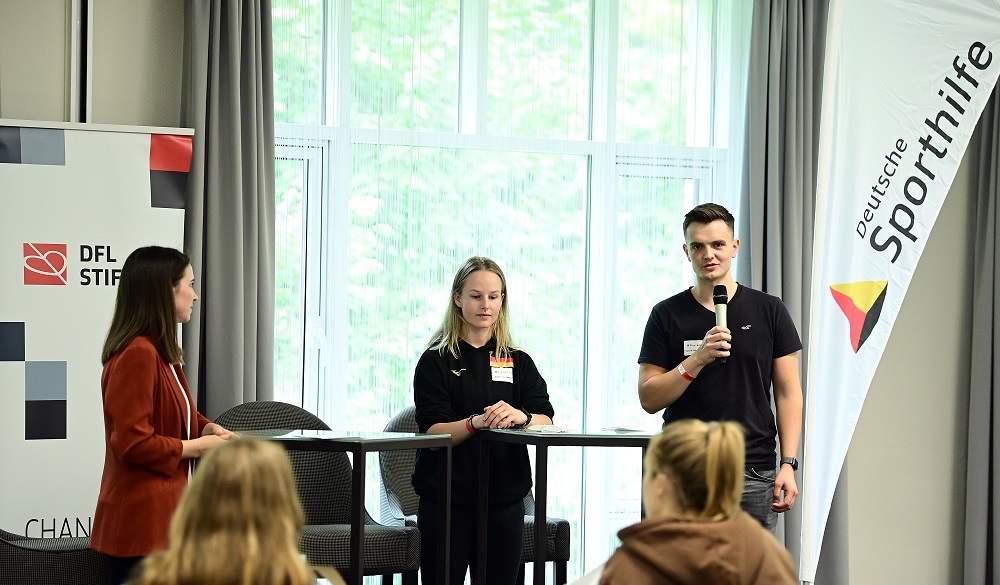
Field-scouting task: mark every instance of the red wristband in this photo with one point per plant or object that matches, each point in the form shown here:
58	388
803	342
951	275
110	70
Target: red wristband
468	425
684	373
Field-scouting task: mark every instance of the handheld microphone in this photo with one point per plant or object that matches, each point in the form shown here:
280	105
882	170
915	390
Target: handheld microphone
721	297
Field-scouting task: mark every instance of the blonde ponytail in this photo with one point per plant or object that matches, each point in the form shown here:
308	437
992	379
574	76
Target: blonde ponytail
706	461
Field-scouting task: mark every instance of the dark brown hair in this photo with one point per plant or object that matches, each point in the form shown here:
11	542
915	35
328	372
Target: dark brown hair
707	213
145	302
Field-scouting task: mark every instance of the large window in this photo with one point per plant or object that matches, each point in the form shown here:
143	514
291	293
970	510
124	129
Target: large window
563	138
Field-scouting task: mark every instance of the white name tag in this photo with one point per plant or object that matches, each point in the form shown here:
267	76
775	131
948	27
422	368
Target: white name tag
691	346
503	375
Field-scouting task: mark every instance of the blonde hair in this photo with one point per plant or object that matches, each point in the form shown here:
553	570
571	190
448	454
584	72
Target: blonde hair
238	523
705	462
447	336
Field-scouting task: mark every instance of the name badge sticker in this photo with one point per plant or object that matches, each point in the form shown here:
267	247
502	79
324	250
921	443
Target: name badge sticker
691	346
503	375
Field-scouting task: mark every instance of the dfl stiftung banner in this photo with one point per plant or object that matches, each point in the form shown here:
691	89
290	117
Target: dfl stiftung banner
905	83
75	200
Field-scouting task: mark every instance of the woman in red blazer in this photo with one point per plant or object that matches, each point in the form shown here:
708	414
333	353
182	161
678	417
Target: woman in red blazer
152	428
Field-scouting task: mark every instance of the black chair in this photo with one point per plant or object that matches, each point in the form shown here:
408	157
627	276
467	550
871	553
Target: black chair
49	561
399	502
323	481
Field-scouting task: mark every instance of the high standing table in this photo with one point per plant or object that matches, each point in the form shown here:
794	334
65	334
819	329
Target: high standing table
360	444
542	442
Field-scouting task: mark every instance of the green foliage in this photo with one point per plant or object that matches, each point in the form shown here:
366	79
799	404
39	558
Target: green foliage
404	59
539	68
414	213
407	237
655	80
297	33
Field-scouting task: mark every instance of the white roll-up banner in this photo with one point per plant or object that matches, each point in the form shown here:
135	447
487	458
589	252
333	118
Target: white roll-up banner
905	83
76	199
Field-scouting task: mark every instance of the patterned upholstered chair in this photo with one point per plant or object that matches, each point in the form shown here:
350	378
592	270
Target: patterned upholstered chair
49	561
399	502
323	481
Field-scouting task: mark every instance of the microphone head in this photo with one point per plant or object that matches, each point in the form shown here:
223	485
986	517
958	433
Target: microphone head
720	295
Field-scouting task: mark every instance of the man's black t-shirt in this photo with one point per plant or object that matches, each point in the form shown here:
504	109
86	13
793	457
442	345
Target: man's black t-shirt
740	389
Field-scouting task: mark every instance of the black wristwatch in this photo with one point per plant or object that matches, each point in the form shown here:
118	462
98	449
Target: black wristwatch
526	422
791	461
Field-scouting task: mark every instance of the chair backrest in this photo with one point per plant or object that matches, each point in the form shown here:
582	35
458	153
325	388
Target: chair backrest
322	479
399	500
268	414
26	560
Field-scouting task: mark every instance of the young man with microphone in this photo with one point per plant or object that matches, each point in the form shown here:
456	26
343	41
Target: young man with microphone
714	351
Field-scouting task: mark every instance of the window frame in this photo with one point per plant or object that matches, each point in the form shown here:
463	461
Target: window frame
329	148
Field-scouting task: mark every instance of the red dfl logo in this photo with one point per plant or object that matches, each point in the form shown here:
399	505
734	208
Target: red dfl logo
45	264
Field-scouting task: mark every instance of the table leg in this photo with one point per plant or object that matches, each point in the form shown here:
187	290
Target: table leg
357	572
482	515
642	506
541	495
444	513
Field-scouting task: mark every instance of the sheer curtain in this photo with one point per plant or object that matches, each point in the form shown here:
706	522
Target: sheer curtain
563	138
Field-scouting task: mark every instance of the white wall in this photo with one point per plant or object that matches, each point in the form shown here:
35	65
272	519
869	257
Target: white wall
34	59
907	463
137	58
138	52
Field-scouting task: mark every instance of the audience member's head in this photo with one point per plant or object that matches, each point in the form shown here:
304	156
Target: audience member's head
238	523
694	468
692	489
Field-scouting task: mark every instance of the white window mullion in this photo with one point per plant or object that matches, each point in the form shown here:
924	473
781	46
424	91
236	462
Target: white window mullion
337	56
601	221
473	51
701	43
604	66
335	219
333	282
300	330
731	40
602	209
315	338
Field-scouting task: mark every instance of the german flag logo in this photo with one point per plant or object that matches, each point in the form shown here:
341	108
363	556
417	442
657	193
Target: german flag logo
861	303
498	362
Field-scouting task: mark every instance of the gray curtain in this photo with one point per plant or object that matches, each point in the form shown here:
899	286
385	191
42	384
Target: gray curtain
229	225
982	500
778	202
